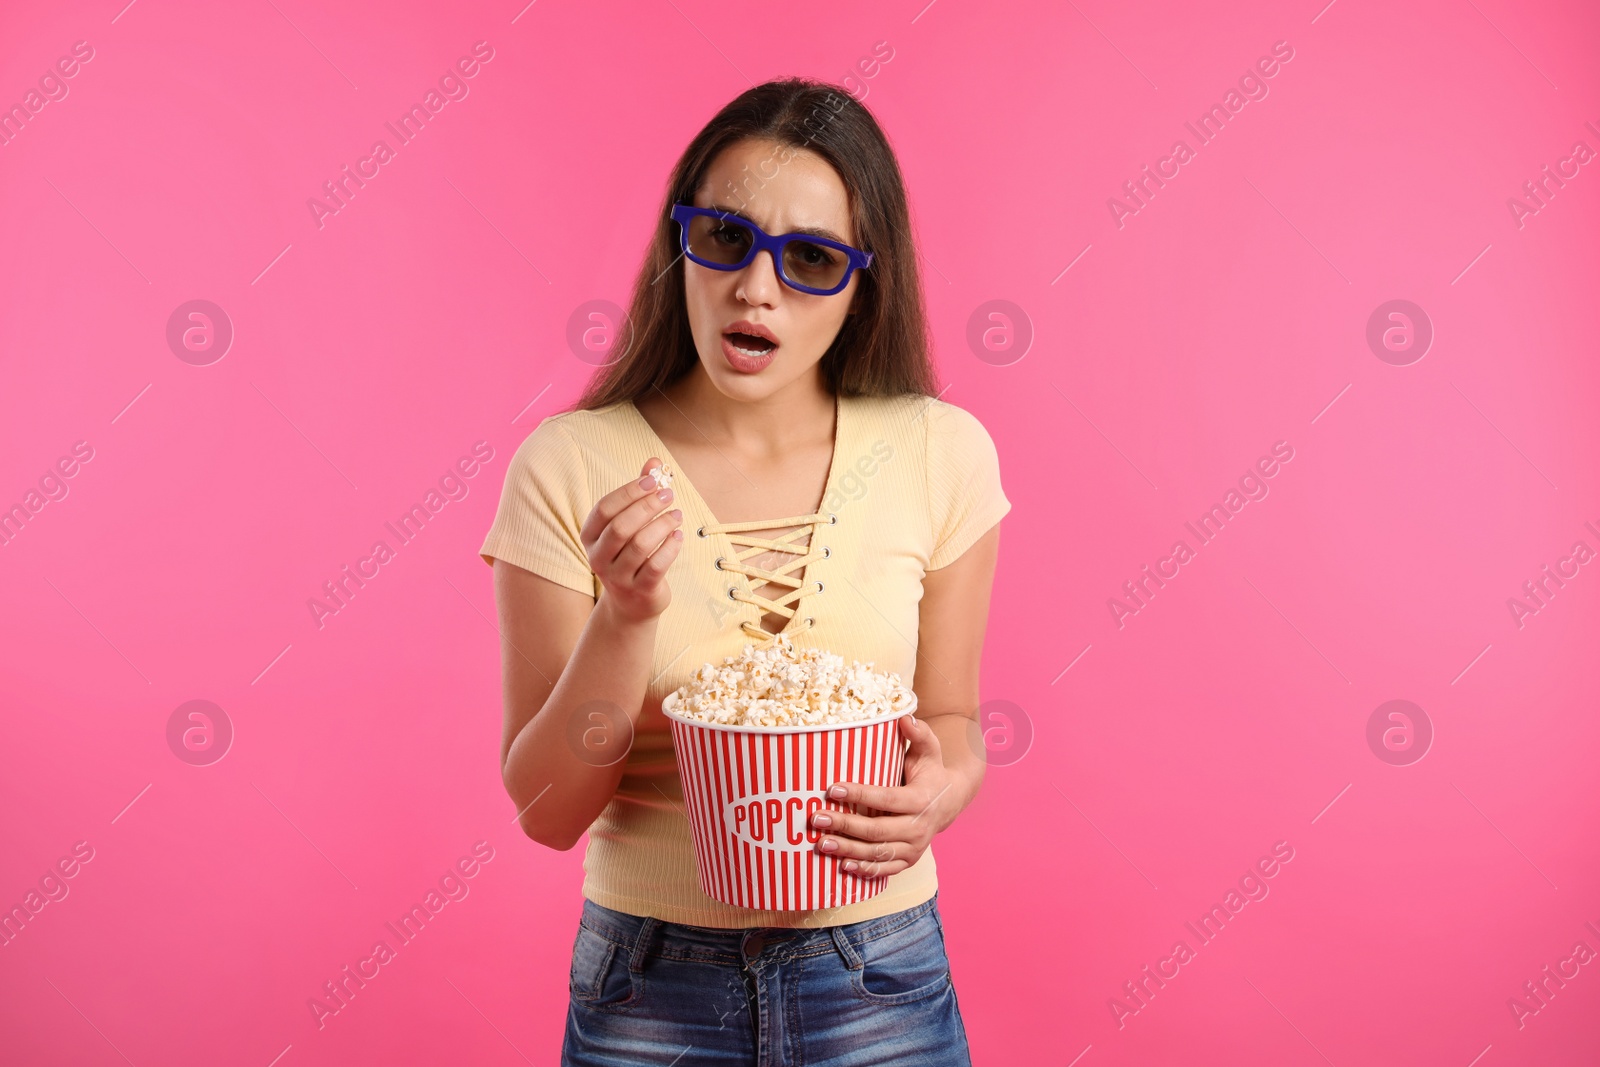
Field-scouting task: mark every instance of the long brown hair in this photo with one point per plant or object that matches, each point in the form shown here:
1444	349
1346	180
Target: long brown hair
883	348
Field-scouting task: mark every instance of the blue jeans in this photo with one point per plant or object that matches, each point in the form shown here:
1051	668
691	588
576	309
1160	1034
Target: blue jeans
644	991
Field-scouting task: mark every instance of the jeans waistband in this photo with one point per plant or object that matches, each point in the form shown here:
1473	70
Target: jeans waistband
641	935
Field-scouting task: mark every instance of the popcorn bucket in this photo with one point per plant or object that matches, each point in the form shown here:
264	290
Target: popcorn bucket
751	792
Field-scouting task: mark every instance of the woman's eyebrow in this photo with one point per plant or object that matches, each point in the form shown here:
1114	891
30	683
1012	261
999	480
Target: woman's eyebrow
809	231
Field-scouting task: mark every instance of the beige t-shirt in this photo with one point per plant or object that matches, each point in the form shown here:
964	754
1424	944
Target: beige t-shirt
914	482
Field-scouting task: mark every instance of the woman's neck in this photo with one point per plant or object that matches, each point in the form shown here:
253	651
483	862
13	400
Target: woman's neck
798	414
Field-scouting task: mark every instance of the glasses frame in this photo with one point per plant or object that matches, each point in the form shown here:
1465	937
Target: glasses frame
855	259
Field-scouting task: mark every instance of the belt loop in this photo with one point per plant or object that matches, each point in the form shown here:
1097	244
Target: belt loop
847	951
641	944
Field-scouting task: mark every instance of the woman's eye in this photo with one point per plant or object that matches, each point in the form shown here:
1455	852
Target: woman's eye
812	256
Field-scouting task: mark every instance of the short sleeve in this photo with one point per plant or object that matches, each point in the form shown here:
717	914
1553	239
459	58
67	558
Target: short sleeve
543	504
964	495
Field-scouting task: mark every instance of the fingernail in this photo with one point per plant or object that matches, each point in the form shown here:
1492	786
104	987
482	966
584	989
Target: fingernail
647	482
665	494
838	792
676	513
829	845
822	820
850	865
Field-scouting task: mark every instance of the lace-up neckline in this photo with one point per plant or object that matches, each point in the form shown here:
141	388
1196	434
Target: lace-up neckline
798	587
743	545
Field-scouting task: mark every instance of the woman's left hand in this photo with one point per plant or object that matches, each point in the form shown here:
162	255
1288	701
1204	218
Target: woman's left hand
879	845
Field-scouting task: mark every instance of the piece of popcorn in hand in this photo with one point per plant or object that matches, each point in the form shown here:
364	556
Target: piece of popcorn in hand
662	475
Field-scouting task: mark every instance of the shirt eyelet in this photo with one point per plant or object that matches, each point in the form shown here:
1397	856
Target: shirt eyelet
833	520
701	531
819	587
826	551
719	562
730	593
810	620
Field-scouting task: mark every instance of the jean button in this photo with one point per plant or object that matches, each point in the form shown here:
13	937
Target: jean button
754	944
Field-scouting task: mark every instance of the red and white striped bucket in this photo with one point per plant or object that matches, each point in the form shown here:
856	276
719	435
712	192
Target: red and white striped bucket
751	792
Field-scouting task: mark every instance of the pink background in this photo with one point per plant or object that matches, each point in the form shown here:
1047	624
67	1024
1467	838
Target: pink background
431	313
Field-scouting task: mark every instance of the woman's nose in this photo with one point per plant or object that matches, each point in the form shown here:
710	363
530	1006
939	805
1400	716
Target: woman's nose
759	281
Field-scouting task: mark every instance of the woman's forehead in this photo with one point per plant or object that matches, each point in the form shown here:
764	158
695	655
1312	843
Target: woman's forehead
754	180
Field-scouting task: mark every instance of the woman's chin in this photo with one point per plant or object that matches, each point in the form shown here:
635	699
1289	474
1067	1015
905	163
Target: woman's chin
738	385
751	388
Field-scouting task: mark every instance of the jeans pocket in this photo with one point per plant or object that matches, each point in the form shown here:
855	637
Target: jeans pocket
600	977
906	965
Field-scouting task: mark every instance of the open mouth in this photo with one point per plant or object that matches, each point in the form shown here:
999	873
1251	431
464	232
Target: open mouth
749	344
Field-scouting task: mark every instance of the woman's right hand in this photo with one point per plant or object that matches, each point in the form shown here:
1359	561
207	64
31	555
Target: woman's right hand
632	539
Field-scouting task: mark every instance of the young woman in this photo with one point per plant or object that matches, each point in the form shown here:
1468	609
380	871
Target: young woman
778	366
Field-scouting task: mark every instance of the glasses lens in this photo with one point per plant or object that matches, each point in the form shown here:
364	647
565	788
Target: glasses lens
815	265
719	240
